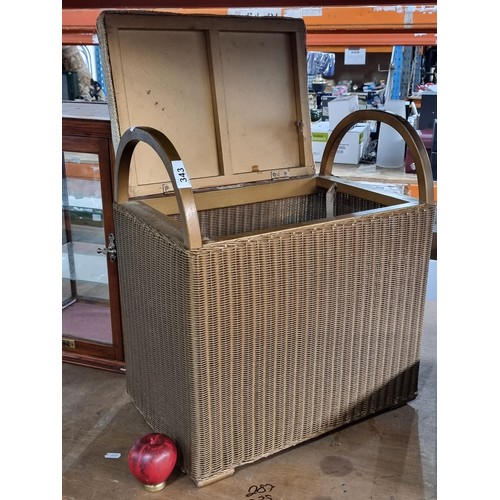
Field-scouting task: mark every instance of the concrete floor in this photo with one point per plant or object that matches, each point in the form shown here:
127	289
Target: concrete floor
391	456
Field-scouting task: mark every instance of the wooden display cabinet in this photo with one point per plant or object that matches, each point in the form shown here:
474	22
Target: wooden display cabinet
91	324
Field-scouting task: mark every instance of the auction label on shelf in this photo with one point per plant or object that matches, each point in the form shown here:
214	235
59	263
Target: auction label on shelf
257	12
272	11
180	174
303	12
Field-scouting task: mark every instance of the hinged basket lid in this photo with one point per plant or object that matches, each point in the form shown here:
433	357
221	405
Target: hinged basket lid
230	92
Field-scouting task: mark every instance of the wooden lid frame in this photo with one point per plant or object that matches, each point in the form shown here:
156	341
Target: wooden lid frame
230	92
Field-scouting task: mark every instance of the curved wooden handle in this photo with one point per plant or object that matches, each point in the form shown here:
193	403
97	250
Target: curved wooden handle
177	173
407	132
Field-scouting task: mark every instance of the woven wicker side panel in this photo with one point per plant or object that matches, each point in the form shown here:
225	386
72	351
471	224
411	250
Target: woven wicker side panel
240	219
298	332
348	204
231	221
155	297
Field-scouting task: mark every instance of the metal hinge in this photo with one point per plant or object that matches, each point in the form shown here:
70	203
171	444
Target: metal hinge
111	249
280	174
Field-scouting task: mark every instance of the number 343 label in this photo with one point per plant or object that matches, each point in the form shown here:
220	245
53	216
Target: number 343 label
181	175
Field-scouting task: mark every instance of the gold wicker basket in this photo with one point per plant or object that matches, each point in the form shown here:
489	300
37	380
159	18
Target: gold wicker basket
264	314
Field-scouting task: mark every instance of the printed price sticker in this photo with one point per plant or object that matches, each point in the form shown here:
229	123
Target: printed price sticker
181	175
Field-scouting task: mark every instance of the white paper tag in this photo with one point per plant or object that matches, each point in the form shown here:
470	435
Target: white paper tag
180	174
112	455
303	11
354	56
256	12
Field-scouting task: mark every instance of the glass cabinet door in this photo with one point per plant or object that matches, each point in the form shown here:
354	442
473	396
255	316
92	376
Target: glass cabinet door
91	321
85	292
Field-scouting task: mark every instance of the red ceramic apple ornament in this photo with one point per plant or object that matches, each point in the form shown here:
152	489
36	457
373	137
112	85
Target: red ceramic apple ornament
152	459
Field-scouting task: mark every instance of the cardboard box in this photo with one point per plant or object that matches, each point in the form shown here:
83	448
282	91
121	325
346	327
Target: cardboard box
341	107
350	150
353	144
320	132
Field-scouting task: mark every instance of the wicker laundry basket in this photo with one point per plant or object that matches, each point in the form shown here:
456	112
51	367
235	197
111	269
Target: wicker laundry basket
262	314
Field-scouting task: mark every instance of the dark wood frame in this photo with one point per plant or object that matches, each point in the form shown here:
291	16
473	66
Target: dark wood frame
87	135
